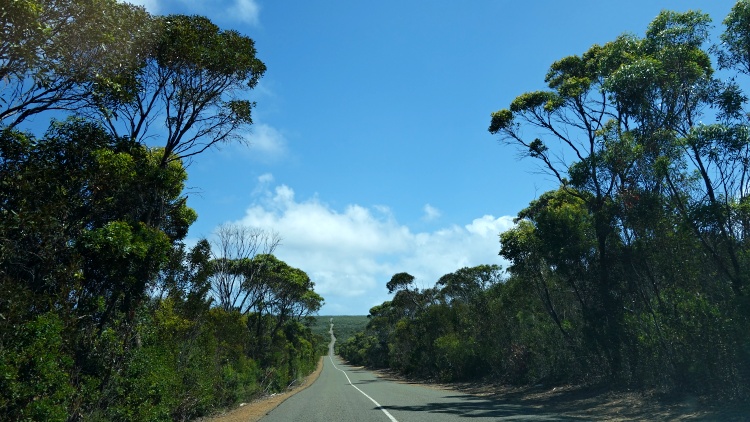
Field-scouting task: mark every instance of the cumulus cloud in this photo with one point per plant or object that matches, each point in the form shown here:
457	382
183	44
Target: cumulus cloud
351	253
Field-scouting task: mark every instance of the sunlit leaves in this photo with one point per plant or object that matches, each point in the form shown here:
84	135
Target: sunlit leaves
627	83
500	120
602	60
569	77
564	224
670	28
533	101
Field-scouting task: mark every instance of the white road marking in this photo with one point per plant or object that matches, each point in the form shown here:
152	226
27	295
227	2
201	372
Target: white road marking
330	356
363	393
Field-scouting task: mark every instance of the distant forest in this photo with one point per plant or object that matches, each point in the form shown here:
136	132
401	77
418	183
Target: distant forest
635	271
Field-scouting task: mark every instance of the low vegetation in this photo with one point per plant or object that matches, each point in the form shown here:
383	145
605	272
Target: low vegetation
344	326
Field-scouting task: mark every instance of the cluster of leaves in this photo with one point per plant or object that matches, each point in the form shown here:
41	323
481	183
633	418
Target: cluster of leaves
105	314
634	270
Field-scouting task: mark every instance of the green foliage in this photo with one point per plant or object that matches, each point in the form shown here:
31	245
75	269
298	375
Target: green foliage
105	314
632	269
195	78
736	39
56	54
83	263
400	281
344	326
194	41
501	119
672	28
34	375
535	102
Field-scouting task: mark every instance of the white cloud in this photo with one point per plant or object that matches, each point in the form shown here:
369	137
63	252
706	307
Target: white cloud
351	254
265	179
263	143
431	213
268	141
244	11
247	11
487	226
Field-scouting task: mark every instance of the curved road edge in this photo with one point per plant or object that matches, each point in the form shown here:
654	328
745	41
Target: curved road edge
256	410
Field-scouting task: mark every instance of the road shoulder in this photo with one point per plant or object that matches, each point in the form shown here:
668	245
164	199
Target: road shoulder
257	409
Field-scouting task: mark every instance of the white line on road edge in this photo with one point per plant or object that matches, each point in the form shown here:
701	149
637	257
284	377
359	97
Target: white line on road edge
363	393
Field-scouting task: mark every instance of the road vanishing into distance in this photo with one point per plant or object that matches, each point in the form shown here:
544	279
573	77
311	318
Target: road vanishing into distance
346	393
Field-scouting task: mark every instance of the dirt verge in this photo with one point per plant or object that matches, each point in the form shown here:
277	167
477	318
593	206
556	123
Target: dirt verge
255	410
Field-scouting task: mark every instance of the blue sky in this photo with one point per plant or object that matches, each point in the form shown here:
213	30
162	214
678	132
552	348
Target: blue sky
370	154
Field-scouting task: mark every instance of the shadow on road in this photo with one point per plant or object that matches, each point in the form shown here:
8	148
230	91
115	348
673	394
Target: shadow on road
360	382
477	407
572	403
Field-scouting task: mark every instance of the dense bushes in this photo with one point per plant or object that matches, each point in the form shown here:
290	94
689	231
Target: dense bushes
694	346
105	314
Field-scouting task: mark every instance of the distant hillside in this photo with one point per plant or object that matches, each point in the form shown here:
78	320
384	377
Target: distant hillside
344	326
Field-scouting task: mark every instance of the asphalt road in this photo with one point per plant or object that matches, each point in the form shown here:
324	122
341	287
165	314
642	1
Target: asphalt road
346	393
